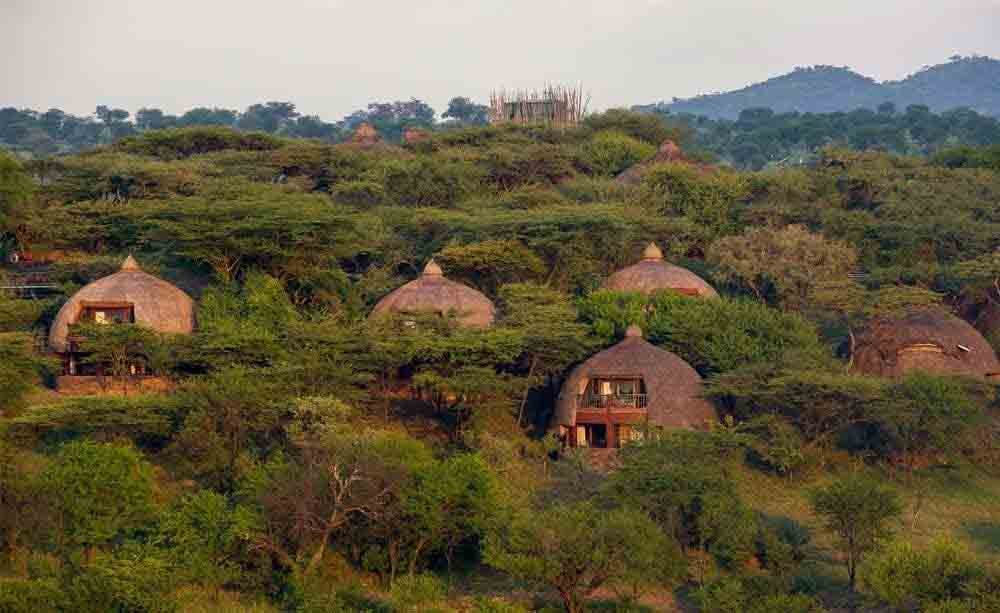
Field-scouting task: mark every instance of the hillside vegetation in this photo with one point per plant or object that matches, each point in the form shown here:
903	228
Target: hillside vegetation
962	82
307	457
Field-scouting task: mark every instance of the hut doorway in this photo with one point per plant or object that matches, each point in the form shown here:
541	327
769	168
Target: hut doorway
591	435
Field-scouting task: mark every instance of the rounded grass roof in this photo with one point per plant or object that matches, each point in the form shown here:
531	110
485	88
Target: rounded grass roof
431	292
932	340
652	274
157	304
673	386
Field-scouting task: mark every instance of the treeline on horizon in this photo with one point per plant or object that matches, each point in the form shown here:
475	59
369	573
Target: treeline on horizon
757	139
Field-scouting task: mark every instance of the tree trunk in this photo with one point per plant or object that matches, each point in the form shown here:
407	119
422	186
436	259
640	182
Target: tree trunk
527	390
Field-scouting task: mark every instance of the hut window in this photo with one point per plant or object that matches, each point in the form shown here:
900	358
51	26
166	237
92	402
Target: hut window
108	313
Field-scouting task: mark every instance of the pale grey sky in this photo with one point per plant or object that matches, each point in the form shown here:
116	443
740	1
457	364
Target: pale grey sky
331	57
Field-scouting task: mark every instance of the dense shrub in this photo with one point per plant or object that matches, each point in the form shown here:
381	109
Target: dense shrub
609	153
423	181
647	127
711	199
903	576
176	143
712	335
361	192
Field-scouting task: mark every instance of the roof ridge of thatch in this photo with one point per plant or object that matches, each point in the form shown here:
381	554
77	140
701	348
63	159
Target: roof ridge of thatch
652	253
432	269
131	265
633	331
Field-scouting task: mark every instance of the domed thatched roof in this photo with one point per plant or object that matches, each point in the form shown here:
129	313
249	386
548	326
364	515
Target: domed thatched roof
156	303
930	340
652	274
431	292
673	387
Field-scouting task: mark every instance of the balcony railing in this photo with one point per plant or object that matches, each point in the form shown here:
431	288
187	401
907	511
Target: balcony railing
612	401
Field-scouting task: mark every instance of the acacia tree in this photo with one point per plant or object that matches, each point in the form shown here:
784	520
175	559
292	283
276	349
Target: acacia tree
792	260
575	549
460	370
858	511
338	476
204	536
98	492
21	500
126	350
491	263
451	501
552	337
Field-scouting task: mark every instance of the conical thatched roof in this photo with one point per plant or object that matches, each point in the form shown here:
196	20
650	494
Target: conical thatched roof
673	387
652	273
929	340
431	292
365	134
156	303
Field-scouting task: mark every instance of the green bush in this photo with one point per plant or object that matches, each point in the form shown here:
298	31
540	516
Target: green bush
497	605
902	575
416	593
712	335
360	192
423	181
710	199
586	190
21	315
31	596
532	197
646	127
609	153
173	143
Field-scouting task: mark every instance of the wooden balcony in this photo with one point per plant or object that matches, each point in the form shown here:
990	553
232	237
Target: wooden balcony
612	401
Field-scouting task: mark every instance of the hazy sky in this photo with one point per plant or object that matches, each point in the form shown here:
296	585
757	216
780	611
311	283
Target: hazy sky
331	57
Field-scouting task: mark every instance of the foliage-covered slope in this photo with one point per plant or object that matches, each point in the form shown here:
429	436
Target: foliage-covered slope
962	82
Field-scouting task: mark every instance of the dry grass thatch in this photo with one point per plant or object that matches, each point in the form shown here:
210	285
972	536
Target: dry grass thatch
431	292
674	388
652	274
156	304
931	340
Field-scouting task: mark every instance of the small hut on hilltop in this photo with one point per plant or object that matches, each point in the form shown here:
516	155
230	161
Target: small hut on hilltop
652	273
933	341
431	292
365	135
413	135
607	400
127	296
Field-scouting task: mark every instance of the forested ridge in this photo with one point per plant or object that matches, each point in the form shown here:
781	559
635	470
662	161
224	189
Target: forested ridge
961	82
309	457
785	121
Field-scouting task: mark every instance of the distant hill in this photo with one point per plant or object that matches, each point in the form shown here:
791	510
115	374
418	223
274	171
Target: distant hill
972	82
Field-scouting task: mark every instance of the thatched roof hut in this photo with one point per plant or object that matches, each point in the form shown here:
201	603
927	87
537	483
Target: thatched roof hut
652	273
143	298
413	135
668	152
431	292
365	135
633	382
929	340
